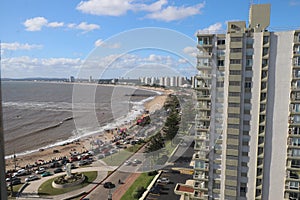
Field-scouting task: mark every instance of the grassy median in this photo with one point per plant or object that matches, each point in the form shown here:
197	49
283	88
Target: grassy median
142	181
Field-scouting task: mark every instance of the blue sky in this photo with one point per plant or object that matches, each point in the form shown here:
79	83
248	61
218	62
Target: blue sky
54	38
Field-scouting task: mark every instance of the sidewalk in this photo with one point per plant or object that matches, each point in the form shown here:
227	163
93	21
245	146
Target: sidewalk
125	186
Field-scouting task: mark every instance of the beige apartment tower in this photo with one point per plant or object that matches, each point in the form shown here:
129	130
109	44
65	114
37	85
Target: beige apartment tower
247	141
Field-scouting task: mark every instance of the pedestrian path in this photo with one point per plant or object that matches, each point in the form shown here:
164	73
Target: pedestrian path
125	186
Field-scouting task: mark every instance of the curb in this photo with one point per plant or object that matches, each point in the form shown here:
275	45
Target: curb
150	185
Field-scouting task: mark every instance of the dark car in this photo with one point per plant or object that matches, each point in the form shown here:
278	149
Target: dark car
14	182
58	170
13	178
155	189
109	185
55	164
83	162
46	174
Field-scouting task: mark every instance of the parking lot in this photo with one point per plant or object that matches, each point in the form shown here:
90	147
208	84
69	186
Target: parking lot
165	191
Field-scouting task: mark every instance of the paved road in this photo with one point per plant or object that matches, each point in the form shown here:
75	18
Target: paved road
31	191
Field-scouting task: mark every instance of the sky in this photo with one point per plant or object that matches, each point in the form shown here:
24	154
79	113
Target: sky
117	38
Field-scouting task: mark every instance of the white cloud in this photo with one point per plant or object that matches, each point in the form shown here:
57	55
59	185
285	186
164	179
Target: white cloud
25	66
55	24
35	24
214	28
172	13
113	65
192	51
105	7
156	6
158	10
17	46
101	43
87	27
84	26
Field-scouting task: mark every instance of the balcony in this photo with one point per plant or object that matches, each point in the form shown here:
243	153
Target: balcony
200	186
203	86
206	97
203	118
200	195
296	75
203	76
204	66
297	39
200	176
201	147
201	155
200	165
295	98
296	62
203	107
294	167
202	137
203	54
292	188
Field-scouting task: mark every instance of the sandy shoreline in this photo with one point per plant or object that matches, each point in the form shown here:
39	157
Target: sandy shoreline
84	143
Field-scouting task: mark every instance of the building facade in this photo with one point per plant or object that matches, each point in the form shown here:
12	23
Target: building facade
247	143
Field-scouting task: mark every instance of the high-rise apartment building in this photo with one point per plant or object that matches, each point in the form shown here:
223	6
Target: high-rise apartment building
247	143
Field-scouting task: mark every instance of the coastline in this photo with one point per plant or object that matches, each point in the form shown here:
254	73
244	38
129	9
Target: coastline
83	143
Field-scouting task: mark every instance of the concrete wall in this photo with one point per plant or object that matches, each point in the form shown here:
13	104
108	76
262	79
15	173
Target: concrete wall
279	83
255	101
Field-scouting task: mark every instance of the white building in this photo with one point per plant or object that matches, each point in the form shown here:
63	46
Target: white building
247	143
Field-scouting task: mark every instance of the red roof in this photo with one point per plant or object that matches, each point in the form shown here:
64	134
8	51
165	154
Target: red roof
183	188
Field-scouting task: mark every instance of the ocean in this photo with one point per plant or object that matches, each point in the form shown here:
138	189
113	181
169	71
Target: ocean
40	114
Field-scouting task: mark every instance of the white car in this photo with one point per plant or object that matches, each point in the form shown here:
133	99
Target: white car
163	180
127	163
31	178
40	170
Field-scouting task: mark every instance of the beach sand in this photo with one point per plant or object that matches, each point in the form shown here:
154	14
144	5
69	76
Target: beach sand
82	144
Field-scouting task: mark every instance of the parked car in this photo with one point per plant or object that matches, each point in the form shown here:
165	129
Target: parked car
47	173
136	161
31	178
58	170
54	165
14	182
83	162
21	172
127	163
109	185
155	189
163	180
40	170
13	178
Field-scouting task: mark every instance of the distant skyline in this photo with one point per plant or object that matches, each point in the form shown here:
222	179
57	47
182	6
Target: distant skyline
53	38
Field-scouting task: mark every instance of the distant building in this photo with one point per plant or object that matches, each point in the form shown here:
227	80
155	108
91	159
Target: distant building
72	79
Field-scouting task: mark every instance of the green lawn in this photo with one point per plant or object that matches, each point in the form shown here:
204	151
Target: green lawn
134	148
117	158
142	181
15	189
47	189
